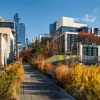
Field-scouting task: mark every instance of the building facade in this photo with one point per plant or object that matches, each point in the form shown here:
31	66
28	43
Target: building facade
21	33
43	38
7	40
6	46
65	39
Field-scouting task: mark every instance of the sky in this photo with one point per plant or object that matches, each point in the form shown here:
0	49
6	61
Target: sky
38	14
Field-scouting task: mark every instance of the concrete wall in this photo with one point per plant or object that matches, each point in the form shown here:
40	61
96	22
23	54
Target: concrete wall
65	43
68	21
7	45
98	53
4	50
80	51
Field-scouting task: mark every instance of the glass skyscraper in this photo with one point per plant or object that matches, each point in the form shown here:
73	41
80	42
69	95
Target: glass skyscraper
20	30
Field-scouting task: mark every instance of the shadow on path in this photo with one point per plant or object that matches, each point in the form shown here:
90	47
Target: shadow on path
38	87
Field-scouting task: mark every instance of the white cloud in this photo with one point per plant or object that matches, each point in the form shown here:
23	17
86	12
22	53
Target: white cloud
88	18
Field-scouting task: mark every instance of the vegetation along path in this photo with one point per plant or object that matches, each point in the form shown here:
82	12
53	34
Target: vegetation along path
36	86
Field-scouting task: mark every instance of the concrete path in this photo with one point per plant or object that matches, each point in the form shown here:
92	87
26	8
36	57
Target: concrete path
38	87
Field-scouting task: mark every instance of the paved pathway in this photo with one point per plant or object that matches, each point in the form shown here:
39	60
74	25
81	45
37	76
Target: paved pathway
38	87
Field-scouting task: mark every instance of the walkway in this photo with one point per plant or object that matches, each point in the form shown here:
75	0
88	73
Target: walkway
38	87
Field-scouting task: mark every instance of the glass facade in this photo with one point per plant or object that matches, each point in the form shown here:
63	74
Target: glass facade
62	44
20	29
69	29
72	43
85	29
97	31
62	29
52	28
91	30
90	51
21	33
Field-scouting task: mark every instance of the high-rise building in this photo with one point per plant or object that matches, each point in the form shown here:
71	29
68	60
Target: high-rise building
20	30
20	34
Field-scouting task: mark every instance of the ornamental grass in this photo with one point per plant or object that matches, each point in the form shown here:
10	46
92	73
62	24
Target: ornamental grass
82	82
45	67
10	81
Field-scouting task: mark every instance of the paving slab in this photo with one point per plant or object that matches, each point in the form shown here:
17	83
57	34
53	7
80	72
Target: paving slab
36	86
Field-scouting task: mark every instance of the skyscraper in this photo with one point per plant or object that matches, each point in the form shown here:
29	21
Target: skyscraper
20	30
20	34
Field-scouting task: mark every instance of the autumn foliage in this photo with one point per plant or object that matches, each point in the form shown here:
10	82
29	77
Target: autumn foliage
82	82
89	36
10	81
26	54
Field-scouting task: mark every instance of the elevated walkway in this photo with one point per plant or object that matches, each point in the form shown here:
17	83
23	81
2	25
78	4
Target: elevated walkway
36	86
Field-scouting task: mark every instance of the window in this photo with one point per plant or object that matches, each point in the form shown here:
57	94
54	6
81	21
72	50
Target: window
68	37
73	37
68	46
69	29
89	51
95	51
84	50
96	30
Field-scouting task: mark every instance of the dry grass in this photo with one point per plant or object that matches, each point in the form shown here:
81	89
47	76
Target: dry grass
10	82
45	67
83	82
63	74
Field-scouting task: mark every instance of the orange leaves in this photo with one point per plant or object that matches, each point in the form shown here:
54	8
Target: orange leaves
25	54
89	36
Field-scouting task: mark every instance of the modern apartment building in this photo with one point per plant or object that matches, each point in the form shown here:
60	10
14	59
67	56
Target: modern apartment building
43	38
65	34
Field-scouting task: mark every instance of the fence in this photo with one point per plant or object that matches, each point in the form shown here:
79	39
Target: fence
82	59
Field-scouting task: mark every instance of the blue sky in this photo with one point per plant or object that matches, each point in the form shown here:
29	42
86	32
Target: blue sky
38	14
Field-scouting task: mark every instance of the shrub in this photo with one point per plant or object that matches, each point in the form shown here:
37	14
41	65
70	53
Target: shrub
86	82
36	60
5	82
63	74
45	67
10	81
83	82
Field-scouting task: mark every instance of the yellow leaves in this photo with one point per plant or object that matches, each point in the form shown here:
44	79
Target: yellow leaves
63	74
4	75
10	80
80	80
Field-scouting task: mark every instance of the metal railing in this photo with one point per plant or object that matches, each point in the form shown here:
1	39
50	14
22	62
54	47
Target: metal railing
82	59
89	59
